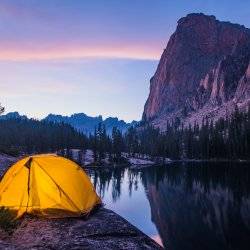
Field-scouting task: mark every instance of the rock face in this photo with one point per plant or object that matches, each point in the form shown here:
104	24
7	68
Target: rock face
203	72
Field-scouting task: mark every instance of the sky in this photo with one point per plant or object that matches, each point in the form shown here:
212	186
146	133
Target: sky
90	56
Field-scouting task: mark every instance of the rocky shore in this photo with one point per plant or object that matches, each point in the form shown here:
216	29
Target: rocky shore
86	158
102	230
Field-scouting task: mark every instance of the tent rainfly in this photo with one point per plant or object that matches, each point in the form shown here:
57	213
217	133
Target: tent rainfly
48	186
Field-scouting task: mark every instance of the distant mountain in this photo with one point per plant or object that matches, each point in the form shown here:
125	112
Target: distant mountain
87	124
13	115
81	122
204	72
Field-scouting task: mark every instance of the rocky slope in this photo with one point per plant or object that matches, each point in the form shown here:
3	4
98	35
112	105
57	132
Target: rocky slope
203	73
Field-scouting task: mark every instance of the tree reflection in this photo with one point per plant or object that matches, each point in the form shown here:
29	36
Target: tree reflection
133	178
103	178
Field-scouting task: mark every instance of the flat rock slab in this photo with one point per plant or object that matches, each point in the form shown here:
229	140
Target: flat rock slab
102	230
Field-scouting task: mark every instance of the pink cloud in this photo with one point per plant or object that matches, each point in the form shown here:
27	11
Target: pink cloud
36	34
17	53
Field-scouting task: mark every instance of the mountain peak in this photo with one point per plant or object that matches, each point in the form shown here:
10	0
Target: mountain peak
199	71
196	16
203	19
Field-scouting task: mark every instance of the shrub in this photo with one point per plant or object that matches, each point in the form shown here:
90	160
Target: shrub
8	220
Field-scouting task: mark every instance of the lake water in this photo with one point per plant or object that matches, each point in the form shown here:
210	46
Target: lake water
183	206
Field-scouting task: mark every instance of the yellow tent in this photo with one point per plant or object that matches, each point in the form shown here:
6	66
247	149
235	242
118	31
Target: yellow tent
49	186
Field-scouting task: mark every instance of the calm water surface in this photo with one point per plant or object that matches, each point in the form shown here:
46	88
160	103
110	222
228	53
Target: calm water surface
191	206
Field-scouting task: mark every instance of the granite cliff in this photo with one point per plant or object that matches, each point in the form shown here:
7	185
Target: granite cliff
204	72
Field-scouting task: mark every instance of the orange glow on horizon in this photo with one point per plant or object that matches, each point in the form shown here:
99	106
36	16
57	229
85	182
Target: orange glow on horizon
18	54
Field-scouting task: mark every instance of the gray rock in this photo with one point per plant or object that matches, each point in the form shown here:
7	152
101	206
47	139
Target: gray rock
5	162
102	230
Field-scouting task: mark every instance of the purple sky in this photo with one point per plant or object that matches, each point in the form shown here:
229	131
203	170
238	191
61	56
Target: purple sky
96	57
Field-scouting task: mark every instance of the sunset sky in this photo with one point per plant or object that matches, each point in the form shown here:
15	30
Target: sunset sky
90	56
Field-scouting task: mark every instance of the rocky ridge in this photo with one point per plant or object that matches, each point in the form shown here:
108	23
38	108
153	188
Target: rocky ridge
87	124
80	121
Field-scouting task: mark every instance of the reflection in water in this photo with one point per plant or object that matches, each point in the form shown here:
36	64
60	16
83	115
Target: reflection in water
196	206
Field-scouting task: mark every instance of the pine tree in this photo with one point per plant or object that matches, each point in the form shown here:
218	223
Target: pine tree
117	144
1	109
95	145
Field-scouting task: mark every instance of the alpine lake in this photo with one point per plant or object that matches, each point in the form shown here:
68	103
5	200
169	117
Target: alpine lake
182	205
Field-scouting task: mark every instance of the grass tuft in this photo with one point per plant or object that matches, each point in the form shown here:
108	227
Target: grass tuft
8	220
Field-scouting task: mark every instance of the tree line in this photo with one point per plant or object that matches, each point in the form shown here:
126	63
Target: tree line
32	136
227	138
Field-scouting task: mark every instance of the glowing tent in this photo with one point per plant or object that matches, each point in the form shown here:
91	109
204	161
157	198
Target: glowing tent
49	186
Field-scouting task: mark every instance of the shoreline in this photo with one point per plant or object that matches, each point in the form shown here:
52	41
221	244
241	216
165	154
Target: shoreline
157	164
213	160
142	161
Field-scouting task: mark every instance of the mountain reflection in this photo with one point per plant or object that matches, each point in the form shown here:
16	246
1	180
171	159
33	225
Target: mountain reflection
194	206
